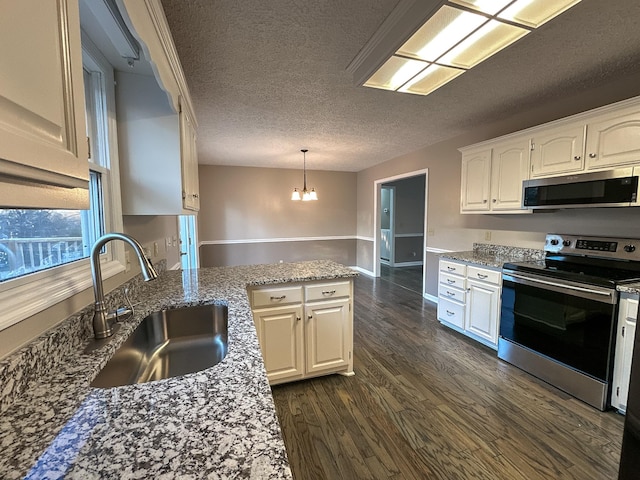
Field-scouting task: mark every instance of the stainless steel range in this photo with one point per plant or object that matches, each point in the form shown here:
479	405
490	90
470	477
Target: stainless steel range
558	316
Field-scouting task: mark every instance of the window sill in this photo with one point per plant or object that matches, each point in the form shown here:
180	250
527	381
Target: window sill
24	297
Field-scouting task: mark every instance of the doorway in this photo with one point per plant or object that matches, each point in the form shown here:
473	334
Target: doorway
188	242
400	217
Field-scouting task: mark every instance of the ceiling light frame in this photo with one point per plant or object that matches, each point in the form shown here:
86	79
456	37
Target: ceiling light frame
407	24
307	195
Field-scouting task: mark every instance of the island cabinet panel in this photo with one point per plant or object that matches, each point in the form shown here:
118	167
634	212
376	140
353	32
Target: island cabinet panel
626	332
304	329
42	119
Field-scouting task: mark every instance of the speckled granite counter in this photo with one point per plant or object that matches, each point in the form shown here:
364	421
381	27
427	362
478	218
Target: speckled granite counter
494	256
630	288
217	423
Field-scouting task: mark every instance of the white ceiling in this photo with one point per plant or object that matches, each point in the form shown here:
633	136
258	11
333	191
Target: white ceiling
268	78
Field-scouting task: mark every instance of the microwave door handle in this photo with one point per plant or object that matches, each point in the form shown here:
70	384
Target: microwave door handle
561	287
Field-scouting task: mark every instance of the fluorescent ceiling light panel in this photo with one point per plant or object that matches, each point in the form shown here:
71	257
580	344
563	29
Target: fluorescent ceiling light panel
455	39
395	72
441	32
534	13
430	79
490	7
489	39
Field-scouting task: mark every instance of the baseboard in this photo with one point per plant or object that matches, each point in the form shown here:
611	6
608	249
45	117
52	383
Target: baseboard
368	273
406	264
430	298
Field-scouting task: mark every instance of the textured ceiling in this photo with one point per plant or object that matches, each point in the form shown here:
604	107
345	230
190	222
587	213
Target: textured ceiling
268	78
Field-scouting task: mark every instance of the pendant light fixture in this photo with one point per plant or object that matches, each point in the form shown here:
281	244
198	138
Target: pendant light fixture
306	194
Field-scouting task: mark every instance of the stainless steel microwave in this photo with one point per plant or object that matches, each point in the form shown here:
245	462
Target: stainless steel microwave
611	188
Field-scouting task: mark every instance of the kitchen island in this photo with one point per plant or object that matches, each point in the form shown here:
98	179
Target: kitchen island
217	423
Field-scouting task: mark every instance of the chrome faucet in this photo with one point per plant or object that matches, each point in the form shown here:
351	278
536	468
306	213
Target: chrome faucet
101	317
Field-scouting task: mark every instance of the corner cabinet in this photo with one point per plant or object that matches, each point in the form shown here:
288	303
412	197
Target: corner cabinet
492	177
625	335
42	119
304	329
156	124
469	300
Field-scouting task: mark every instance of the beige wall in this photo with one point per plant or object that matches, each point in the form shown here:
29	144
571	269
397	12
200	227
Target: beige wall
450	230
145	229
246	203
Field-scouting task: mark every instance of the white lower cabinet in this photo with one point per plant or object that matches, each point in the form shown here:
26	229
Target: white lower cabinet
627	316
305	329
469	300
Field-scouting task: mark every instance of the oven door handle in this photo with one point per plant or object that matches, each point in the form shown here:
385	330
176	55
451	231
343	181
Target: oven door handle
584	292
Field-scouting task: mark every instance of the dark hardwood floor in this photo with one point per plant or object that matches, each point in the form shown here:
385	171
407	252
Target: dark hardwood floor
407	277
428	403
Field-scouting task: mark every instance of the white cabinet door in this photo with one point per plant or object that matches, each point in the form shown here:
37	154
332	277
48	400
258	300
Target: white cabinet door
189	154
328	336
509	167
483	301
42	119
624	351
476	178
280	332
558	151
614	140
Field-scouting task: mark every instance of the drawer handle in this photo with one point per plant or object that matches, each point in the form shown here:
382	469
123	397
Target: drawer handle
483	276
281	297
450	313
452	269
451	294
328	292
450	281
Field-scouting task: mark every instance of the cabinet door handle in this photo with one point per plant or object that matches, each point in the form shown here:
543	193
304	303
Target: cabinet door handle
281	297
482	276
494	200
328	292
309	317
592	155
298	319
577	157
484	201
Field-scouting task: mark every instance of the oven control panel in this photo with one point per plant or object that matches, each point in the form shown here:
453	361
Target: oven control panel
620	248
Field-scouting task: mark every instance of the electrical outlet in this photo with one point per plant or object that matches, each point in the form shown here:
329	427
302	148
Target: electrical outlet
167	244
431	232
487	235
155	249
174	241
127	260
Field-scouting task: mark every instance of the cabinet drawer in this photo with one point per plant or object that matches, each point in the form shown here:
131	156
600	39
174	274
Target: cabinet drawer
490	276
453	267
325	291
451	312
451	280
267	297
451	293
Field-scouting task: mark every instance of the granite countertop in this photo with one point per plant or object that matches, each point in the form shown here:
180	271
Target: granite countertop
629	288
217	423
494	256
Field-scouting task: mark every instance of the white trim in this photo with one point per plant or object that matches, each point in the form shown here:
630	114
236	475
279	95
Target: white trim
19	301
275	240
368	273
364	239
437	250
408	235
430	298
407	264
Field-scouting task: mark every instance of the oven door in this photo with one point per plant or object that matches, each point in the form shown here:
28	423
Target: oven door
568	322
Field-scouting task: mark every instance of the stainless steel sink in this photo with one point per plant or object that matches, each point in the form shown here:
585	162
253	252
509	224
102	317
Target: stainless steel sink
167	344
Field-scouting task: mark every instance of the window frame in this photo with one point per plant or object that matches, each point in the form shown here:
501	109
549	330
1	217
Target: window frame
25	296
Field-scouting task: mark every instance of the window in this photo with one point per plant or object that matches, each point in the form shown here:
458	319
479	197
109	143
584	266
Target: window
51	247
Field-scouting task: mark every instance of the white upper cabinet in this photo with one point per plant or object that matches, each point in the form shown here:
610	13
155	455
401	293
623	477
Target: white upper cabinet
614	140
189	153
509	167
476	179
42	119
492	176
558	151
